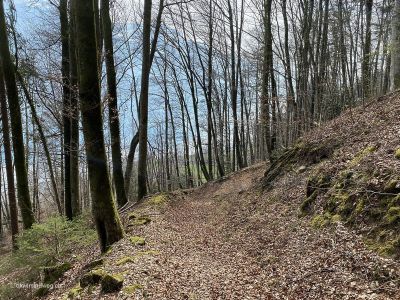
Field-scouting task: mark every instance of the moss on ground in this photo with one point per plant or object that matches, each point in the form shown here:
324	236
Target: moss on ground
397	154
139	220
137	240
132	289
361	198
75	292
158	199
93	277
125	260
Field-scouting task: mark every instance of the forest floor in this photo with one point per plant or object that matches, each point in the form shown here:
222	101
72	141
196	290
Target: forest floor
235	239
231	240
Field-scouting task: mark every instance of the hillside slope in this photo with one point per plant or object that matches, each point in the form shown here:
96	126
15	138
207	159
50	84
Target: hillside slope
299	232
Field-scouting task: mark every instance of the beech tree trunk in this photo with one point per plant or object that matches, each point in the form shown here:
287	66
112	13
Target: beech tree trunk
395	49
113	116
24	200
144	98
12	201
103	206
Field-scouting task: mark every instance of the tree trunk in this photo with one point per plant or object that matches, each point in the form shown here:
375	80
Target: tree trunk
144	98
118	175
24	200
12	201
366	64
103	206
395	49
74	106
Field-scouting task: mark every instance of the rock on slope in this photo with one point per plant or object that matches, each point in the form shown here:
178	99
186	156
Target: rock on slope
299	232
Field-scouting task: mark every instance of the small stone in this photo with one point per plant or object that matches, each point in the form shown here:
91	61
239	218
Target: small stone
302	169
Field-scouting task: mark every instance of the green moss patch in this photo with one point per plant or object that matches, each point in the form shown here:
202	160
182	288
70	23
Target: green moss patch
74	292
158	199
125	260
397	154
132	289
137	241
91	278
393	215
139	220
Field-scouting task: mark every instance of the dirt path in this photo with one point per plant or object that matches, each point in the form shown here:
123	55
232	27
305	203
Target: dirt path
231	240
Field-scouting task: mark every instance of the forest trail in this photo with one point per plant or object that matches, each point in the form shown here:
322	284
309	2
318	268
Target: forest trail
246	236
230	239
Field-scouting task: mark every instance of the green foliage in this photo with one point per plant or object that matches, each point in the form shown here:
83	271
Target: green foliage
41	248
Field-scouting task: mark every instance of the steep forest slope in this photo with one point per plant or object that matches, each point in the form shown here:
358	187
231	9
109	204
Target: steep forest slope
321	223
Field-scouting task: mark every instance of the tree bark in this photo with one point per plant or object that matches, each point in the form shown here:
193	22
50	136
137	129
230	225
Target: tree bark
12	201
113	116
144	98
103	206
24	200
395	49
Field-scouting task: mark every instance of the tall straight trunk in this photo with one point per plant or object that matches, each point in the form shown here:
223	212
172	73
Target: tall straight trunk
395	49
343	56
291	102
270	66
265	103
103	206
65	73
12	201
24	200
118	175
74	106
234	90
144	98
366	64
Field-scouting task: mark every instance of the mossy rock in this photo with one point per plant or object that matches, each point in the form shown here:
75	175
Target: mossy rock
93	264
389	248
74	292
91	278
362	154
132	289
158	199
140	220
393	215
320	221
111	283
392	186
137	241
397	154
53	273
125	260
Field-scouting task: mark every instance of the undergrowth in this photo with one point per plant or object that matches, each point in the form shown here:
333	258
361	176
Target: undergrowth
45	244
